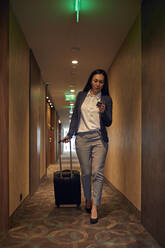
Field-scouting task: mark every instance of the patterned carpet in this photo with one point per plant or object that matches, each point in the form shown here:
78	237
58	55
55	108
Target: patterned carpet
38	223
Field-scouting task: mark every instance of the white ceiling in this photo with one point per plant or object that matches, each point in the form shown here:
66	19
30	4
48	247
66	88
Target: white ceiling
56	38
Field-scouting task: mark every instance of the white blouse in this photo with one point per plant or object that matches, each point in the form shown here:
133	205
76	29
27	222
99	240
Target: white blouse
90	119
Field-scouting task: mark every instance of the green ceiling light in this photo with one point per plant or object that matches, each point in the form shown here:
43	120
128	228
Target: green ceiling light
64	107
70	97
77	9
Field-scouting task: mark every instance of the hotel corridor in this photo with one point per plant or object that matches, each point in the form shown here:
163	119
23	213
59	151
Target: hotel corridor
48	49
38	223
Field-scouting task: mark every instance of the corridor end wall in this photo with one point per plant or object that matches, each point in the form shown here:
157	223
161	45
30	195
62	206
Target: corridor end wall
123	163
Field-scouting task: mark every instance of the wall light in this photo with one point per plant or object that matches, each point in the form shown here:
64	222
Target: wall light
75	62
72	90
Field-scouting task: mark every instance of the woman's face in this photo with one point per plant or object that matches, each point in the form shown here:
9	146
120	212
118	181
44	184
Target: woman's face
97	83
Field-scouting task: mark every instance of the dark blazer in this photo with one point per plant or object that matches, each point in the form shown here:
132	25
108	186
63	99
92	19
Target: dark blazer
105	118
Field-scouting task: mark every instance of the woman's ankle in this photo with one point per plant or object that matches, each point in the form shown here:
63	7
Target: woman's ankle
94	212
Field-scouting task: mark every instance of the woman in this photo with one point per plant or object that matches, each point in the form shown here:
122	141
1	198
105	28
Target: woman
92	114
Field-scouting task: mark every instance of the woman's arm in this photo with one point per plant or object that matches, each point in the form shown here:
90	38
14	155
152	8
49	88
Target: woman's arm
106	116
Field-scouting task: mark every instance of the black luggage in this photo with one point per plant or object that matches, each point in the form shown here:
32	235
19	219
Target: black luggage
67	187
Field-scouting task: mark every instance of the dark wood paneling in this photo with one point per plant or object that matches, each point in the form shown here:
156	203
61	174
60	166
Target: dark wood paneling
18	114
52	136
4	113
35	83
153	118
43	131
48	125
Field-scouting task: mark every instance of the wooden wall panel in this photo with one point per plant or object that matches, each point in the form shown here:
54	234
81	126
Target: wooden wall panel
43	131
35	127
18	115
4	119
51	130
153	118
55	136
48	125
123	164
52	135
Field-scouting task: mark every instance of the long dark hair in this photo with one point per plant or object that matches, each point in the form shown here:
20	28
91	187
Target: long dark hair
105	89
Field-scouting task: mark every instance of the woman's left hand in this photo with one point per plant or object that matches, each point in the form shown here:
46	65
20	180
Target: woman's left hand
101	108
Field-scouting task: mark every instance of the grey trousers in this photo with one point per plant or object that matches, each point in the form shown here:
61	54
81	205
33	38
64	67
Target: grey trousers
91	152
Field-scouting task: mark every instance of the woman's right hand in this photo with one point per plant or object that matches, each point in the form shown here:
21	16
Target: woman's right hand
65	139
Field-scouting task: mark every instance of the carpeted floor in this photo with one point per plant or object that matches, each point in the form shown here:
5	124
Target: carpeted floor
38	223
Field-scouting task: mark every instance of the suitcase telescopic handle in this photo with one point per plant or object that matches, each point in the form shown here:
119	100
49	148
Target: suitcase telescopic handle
60	159
70	157
70	148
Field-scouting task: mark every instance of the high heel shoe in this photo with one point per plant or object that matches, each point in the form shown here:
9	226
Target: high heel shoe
88	210
93	220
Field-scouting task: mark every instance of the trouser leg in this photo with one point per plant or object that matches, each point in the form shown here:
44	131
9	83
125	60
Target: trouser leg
99	153
83	150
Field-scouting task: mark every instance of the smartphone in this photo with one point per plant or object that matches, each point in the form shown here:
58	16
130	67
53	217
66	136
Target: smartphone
98	104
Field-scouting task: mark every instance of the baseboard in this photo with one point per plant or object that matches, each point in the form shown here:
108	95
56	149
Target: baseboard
27	197
43	178
131	207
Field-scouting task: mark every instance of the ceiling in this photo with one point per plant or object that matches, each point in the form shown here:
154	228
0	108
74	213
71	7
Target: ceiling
55	37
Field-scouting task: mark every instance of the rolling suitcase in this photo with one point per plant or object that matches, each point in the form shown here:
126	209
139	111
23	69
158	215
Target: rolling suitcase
67	187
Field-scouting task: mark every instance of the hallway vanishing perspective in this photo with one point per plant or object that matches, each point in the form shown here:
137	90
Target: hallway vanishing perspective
47	51
38	223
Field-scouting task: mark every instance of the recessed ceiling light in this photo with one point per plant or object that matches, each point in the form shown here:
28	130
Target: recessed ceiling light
47	97
75	62
75	49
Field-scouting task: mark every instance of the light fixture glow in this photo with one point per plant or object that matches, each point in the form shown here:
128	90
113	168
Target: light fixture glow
72	90
70	97
47	97
75	62
77	9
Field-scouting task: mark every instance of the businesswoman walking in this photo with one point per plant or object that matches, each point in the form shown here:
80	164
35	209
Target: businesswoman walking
91	115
